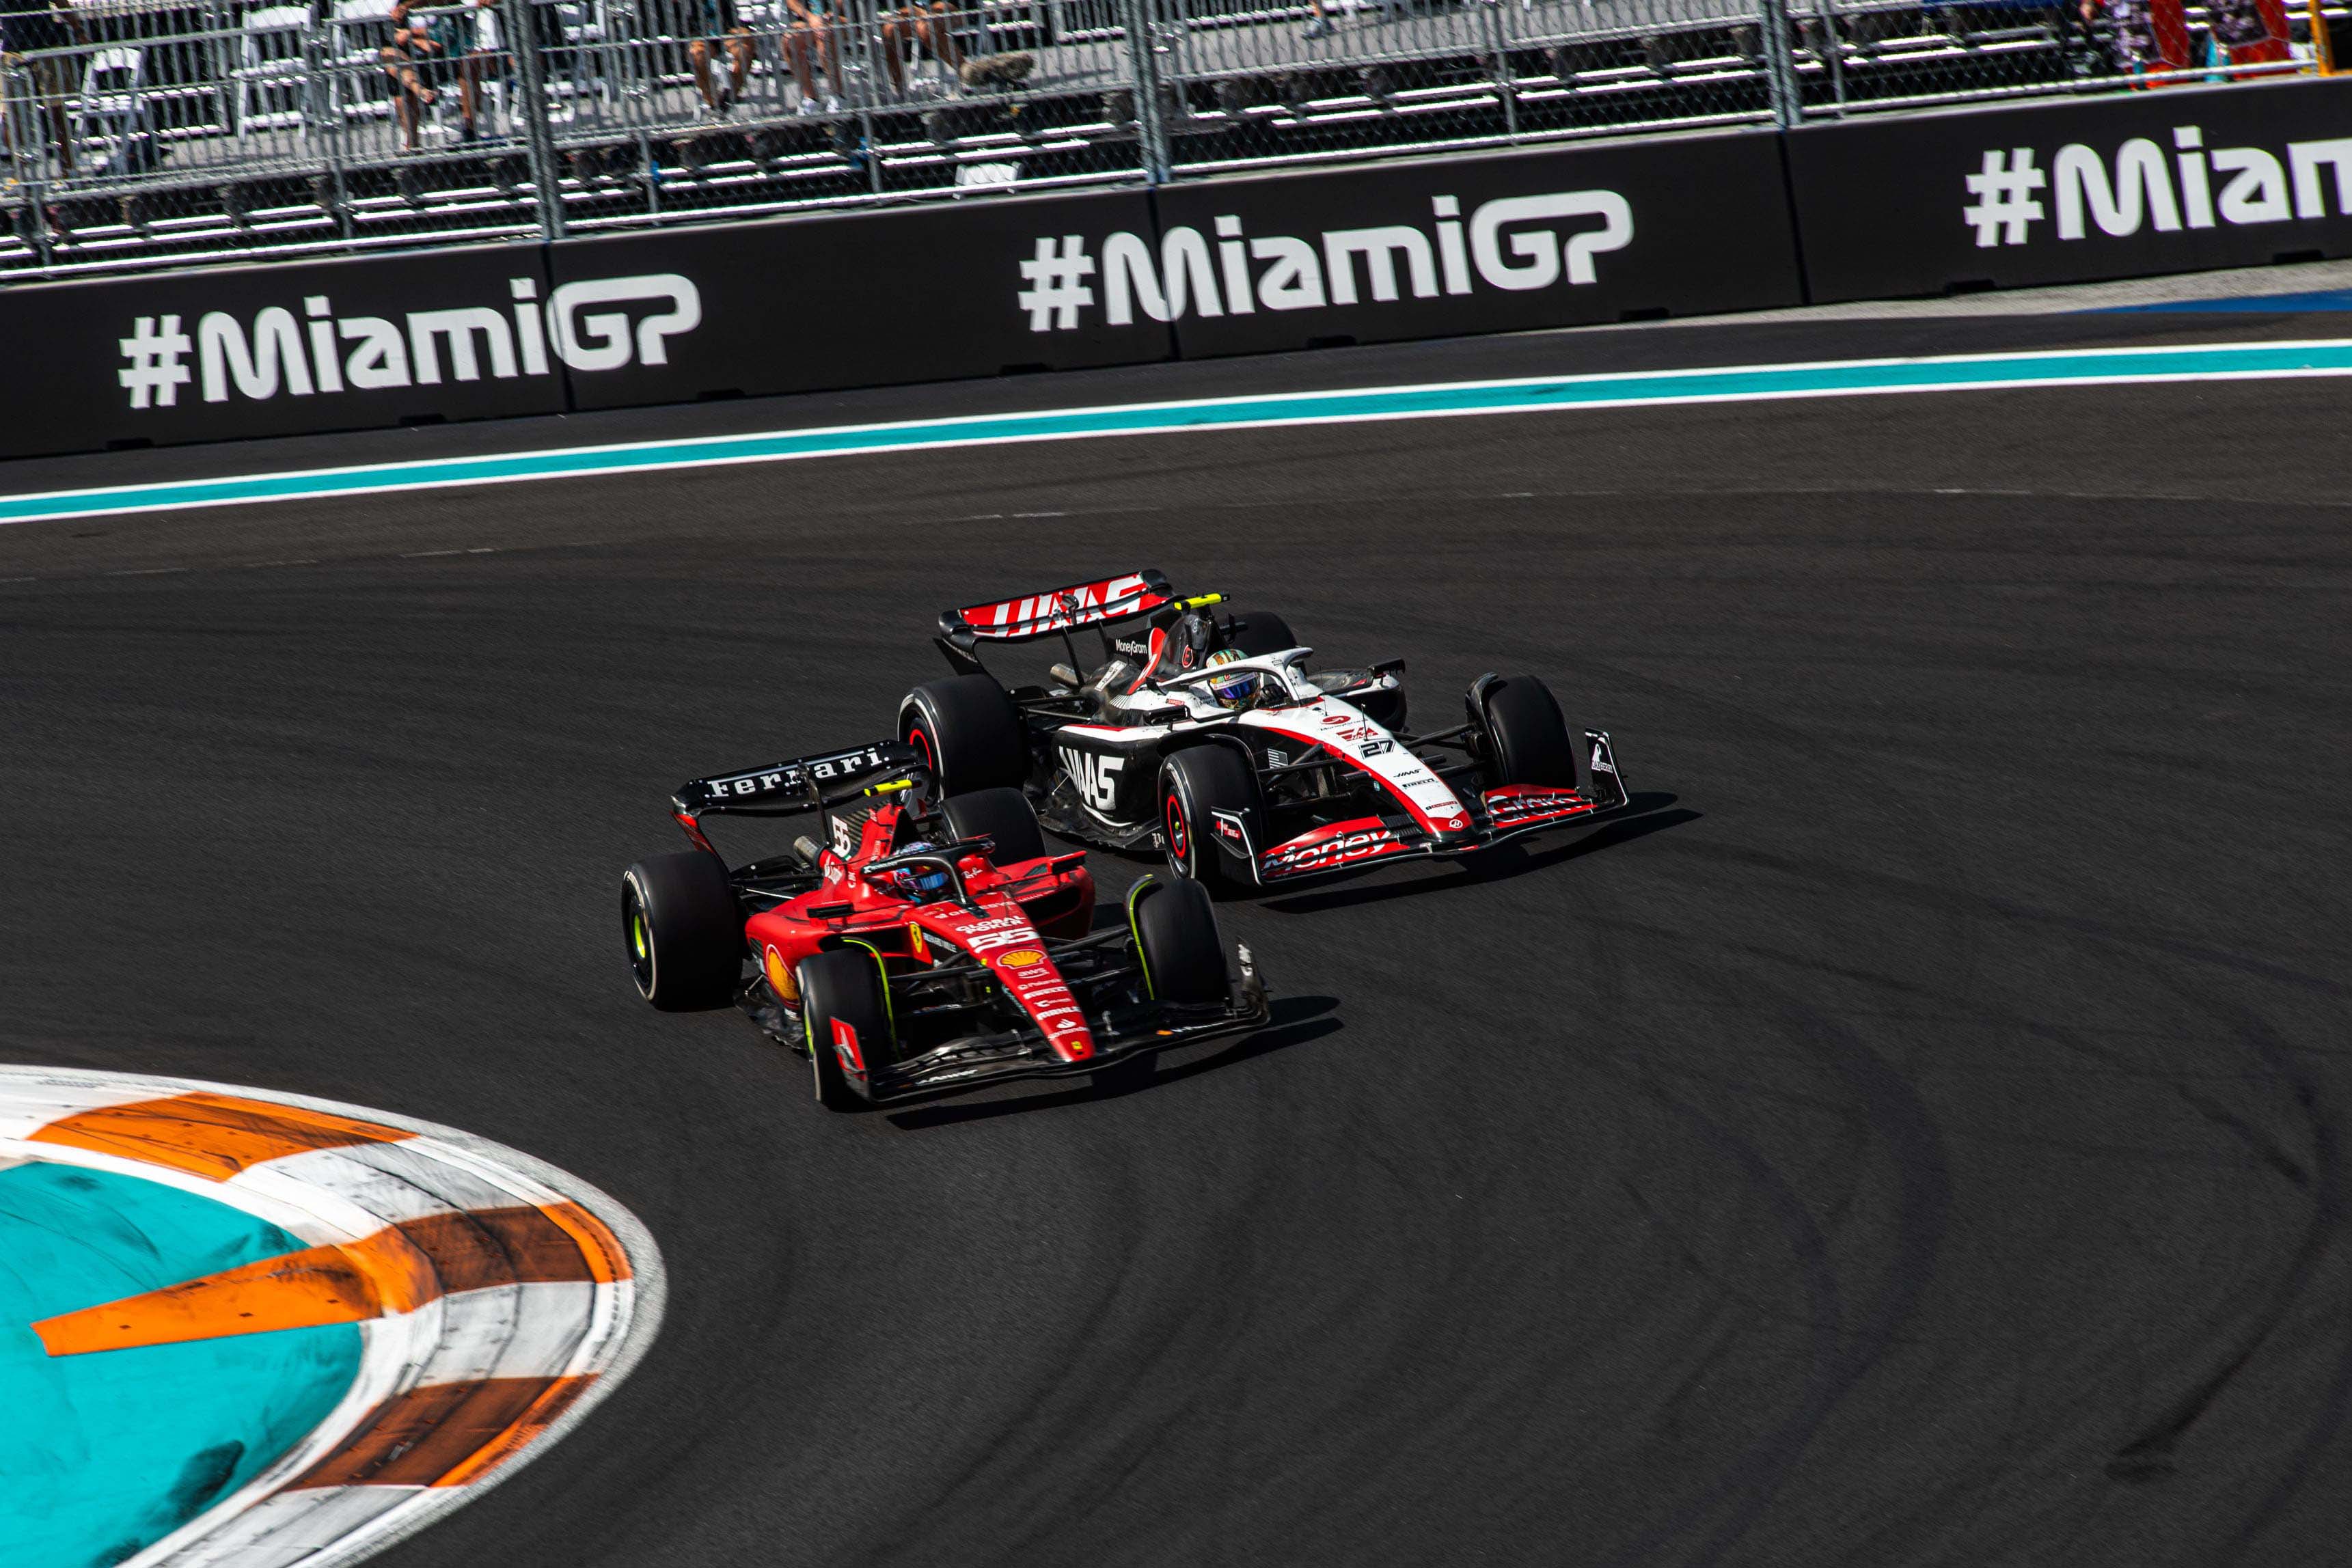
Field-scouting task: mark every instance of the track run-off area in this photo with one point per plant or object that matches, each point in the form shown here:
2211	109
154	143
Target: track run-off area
1913	1133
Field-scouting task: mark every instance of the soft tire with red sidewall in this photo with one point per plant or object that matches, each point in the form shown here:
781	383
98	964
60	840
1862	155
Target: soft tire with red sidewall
969	734
1193	784
845	984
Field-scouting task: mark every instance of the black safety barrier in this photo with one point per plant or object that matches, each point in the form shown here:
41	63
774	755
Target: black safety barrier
2161	182
861	299
231	352
979	288
1440	246
2176	180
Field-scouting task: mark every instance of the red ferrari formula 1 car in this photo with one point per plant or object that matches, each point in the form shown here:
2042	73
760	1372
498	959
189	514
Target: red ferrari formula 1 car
1205	736
934	945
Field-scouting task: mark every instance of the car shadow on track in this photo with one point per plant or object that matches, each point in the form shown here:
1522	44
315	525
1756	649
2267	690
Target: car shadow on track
1295	1021
1646	812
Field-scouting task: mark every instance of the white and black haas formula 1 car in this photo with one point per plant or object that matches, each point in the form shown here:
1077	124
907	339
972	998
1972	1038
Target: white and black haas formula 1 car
1205	734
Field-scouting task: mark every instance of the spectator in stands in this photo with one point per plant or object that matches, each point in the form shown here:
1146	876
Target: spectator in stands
487	58
1322	27
808	44
918	27
716	22
426	53
26	25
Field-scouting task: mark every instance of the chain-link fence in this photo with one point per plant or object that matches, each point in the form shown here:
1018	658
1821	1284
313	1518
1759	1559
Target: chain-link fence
138	132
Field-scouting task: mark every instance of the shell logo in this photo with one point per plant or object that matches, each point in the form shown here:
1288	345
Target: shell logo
1021	959
780	976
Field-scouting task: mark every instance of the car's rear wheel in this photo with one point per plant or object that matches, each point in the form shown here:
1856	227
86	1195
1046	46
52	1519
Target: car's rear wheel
968	733
1527	739
1003	815
1176	936
1261	631
845	1024
1194	784
683	931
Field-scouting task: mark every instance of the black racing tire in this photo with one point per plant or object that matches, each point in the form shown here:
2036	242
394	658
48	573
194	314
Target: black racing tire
845	984
1528	741
682	930
969	734
1193	783
1176	936
1004	815
1259	633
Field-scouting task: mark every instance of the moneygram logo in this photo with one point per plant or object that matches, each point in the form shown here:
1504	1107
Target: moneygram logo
603	324
1516	244
2195	187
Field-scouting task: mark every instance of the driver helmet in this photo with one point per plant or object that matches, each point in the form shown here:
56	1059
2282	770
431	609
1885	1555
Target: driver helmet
922	883
1236	689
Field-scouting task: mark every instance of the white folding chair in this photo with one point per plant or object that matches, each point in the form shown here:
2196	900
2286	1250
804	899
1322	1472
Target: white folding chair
111	113
357	32
271	66
576	67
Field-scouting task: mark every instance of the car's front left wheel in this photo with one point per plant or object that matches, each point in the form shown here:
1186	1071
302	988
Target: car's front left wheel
1176	937
1208	808
845	1025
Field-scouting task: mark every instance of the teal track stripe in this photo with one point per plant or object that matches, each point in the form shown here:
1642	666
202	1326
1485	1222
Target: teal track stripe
1836	377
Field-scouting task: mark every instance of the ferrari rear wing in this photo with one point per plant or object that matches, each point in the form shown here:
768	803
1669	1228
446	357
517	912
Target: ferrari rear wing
802	785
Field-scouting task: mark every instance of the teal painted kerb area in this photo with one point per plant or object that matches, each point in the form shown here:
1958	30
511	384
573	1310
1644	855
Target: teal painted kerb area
1828	379
102	1455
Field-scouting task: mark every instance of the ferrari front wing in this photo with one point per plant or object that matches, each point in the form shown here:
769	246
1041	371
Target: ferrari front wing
1120	1034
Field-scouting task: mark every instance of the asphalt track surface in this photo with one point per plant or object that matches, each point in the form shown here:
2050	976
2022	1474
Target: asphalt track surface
1914	1134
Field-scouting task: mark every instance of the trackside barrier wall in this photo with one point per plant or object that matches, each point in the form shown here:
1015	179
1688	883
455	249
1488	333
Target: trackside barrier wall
2170	181
228	352
2158	181
1566	236
865	299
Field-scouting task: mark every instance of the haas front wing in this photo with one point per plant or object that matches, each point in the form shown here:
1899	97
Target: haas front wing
1503	812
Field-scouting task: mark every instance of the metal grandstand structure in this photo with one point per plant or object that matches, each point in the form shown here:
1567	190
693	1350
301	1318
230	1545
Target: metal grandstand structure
151	132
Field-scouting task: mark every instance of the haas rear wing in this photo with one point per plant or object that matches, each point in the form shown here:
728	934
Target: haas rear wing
804	784
1057	610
